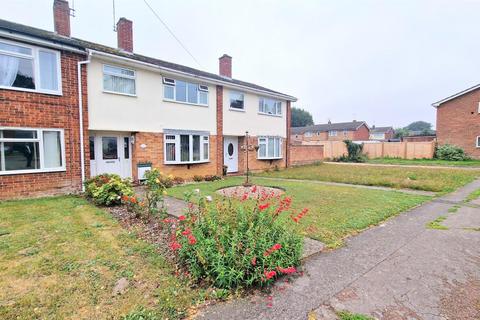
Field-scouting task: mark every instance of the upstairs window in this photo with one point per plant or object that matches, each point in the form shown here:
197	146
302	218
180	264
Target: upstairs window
269	148
31	150
332	133
29	68
185	92
270	106
308	134
186	148
237	100
118	80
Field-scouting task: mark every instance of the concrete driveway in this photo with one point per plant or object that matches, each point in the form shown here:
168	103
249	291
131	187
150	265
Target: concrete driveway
398	270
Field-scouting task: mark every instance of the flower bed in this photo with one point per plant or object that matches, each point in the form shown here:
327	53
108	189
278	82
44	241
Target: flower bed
253	192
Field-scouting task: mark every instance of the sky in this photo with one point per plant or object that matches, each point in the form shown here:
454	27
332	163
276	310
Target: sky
384	62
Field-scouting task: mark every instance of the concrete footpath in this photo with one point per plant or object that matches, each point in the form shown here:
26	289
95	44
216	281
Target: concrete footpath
398	270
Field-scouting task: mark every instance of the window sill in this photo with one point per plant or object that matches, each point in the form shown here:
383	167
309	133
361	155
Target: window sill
53	93
13	172
186	103
120	93
237	110
186	163
270	115
273	158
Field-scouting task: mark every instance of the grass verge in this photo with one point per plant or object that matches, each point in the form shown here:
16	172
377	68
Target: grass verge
436	180
335	211
61	257
437	223
426	162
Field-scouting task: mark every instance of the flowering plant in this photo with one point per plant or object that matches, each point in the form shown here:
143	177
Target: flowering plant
108	189
237	243
156	184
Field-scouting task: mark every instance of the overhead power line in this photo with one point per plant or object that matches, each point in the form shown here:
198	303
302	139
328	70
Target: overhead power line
171	32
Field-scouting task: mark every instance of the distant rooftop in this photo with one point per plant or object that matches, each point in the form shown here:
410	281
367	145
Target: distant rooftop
349	126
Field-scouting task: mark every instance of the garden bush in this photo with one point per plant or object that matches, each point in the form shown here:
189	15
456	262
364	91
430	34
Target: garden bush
178	180
156	184
354	153
451	153
198	178
210	177
233	244
108	189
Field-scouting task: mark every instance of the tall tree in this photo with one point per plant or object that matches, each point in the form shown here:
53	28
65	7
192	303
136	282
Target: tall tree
301	118
419	126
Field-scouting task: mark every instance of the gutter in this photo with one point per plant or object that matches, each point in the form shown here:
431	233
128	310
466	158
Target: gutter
80	115
206	79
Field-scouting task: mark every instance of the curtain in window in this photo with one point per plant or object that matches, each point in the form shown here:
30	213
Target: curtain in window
48	70
8	70
184	148
119	84
52	149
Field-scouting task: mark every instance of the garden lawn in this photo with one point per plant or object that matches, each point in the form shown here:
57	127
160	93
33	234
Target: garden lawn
61	257
335	211
426	162
434	179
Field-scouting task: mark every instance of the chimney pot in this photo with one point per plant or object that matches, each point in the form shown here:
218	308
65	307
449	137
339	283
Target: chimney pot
225	66
61	17
125	34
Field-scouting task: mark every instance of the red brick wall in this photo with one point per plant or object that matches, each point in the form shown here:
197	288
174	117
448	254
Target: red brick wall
219	151
253	163
289	132
362	133
35	110
154	153
125	34
305	154
458	122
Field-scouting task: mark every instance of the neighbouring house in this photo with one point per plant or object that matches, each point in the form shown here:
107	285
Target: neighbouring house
136	112
381	133
418	138
355	130
458	120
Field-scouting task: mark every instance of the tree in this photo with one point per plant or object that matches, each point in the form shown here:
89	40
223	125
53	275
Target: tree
419	126
401	132
301	118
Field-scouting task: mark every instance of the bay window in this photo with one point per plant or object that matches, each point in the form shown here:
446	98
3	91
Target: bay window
269	148
270	106
29	68
183	147
119	80
185	92
31	150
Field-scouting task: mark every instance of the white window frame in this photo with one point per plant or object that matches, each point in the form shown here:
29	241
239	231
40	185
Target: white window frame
345	133
171	82
230	101
278	106
477	144
39	139
176	141
332	133
35	56
265	142
134	78
308	134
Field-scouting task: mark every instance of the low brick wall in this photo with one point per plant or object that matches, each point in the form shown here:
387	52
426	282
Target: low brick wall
305	154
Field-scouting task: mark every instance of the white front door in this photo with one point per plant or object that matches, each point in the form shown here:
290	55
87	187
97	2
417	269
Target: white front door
230	157
112	155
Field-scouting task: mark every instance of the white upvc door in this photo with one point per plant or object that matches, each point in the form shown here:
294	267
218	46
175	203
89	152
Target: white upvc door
230	157
113	154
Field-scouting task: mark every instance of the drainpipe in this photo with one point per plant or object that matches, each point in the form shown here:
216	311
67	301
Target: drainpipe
80	116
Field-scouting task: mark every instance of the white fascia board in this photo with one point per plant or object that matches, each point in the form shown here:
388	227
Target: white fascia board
461	93
40	42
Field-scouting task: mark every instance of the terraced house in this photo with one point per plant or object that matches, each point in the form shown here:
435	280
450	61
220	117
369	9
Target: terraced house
71	109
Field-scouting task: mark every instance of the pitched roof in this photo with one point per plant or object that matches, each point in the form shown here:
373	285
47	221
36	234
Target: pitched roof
350	126
380	129
12	27
456	95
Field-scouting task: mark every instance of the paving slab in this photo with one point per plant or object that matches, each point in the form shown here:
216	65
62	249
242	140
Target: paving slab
397	270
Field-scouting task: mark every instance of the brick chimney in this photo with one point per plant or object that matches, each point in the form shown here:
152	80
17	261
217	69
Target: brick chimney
225	66
125	34
61	17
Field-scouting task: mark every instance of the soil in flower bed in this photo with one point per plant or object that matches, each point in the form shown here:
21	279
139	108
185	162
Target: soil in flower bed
253	192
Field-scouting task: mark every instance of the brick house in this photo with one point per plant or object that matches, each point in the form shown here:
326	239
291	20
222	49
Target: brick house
137	111
381	133
458	120
354	130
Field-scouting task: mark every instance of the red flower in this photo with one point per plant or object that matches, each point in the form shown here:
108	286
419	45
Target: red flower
263	206
254	261
191	239
124	198
288	270
175	246
270	274
186	232
244	197
277	246
182	218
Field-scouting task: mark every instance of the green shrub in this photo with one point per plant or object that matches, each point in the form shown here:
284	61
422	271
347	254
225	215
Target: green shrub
155	185
108	189
234	244
209	177
178	180
197	178
451	153
354	153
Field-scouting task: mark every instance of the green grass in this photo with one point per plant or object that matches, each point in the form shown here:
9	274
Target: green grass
60	258
454	209
437	223
345	315
426	162
335	211
472	196
436	180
